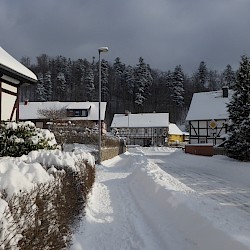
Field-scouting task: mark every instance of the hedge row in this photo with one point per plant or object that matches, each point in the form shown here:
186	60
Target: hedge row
46	217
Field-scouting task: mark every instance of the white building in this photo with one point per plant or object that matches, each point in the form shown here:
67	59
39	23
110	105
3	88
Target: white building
141	129
208	117
74	112
12	75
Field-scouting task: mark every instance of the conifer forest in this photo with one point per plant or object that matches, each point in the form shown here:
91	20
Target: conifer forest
136	89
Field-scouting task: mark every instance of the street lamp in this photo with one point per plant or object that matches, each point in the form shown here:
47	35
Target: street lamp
100	50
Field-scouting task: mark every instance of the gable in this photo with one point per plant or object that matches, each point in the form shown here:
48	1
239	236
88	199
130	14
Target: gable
174	130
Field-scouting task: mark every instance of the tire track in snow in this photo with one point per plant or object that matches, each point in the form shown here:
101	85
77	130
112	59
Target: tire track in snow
231	197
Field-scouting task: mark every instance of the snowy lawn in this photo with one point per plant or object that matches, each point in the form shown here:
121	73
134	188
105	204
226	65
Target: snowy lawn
155	198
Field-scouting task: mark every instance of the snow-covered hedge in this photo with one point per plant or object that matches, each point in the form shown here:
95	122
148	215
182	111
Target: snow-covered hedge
69	135
42	195
21	138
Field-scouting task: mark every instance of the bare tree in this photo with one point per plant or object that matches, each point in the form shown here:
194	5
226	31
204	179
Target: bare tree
54	114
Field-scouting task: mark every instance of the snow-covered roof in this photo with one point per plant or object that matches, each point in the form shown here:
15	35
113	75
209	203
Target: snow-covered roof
11	67
80	105
30	110
142	120
209	105
174	130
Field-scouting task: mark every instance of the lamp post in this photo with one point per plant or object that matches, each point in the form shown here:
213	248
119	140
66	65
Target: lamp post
127	113
100	50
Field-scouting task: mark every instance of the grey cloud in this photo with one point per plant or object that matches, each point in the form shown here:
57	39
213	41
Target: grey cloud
164	32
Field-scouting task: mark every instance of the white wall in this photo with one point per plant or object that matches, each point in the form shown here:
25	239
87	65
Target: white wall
8	102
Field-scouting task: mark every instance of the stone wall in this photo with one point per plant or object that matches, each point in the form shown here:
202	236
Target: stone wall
108	153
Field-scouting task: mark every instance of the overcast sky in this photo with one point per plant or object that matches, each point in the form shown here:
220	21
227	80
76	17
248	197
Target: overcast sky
164	32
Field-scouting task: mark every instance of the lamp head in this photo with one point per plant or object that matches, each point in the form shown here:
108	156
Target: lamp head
103	49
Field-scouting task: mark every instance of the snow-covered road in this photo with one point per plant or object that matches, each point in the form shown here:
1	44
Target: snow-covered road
161	198
113	219
208	176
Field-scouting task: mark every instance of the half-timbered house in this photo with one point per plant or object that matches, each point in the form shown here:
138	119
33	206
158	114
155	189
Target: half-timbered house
12	75
208	117
143	129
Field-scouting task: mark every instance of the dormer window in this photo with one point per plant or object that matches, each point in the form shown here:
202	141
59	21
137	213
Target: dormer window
77	112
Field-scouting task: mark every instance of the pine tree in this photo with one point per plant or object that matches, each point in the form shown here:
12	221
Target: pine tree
79	75
129	79
105	80
177	86
143	80
214	80
229	76
200	77
169	78
118	85
203	74
40	89
238	144
89	81
130	87
119	68
48	86
118	75
61	86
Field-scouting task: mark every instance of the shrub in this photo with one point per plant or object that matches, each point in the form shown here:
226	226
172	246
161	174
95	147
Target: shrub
46	217
17	139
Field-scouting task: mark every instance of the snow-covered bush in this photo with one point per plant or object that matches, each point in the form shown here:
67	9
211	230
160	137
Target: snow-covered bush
42	196
20	138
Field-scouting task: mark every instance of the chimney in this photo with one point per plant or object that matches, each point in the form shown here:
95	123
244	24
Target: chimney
26	102
225	91
127	112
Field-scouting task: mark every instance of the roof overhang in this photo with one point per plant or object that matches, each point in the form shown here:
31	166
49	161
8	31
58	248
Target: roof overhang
10	68
4	71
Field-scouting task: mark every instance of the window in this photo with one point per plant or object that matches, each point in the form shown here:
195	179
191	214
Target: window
77	113
134	131
84	113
